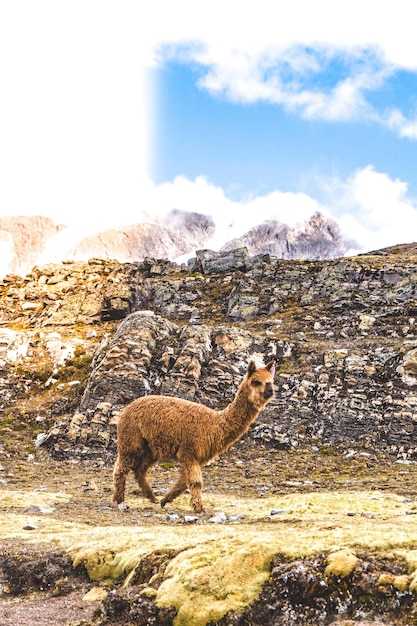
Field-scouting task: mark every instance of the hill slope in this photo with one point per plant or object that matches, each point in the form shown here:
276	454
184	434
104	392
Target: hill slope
311	517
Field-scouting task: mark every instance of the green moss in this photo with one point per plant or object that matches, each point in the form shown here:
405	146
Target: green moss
327	451
207	581
19	427
38	373
77	368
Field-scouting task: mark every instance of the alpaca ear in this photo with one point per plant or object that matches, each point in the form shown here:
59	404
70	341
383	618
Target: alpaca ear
271	368
251	369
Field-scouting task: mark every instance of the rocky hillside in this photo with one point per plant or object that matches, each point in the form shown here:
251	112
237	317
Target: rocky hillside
343	333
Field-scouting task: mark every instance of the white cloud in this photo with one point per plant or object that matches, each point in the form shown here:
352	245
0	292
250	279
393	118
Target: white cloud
251	53
287	77
404	127
374	209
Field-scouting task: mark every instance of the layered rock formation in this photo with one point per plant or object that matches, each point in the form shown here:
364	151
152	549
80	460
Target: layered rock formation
343	333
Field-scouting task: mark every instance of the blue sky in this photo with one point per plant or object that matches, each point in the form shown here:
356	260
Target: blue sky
113	113
254	148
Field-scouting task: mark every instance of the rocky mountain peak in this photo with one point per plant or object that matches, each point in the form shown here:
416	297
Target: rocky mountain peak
177	233
317	238
22	239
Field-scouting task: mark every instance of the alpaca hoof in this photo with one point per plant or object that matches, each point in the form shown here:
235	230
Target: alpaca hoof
122	506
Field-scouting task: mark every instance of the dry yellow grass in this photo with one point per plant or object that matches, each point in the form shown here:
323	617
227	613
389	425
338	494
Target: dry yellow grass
223	566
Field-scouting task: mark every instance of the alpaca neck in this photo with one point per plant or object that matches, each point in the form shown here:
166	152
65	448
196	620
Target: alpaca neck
235	419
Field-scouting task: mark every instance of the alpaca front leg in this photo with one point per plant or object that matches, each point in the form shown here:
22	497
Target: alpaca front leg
176	490
195	485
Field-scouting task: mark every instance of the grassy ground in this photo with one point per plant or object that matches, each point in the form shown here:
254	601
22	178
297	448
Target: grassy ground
295	503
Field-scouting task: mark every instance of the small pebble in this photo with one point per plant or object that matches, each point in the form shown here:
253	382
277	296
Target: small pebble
122	506
29	527
277	511
236	518
351	513
40	439
172	518
368	515
190	519
411	513
32	510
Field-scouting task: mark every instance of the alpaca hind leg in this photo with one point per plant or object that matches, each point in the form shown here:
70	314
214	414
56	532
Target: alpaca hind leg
176	490
140	469
195	485
121	469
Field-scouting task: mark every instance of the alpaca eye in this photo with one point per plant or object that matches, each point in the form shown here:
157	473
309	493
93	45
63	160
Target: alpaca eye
256	383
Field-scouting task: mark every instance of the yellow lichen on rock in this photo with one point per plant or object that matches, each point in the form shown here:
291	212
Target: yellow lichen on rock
411	558
99	564
96	594
341	563
399	582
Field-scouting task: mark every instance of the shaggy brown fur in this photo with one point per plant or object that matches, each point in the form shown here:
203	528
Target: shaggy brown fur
154	428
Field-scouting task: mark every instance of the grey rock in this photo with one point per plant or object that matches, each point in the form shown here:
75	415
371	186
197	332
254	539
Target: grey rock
219	518
171	517
211	262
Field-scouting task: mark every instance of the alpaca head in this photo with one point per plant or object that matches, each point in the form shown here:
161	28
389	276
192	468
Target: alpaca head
259	384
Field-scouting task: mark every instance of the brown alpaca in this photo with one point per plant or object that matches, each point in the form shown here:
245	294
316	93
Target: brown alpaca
152	428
